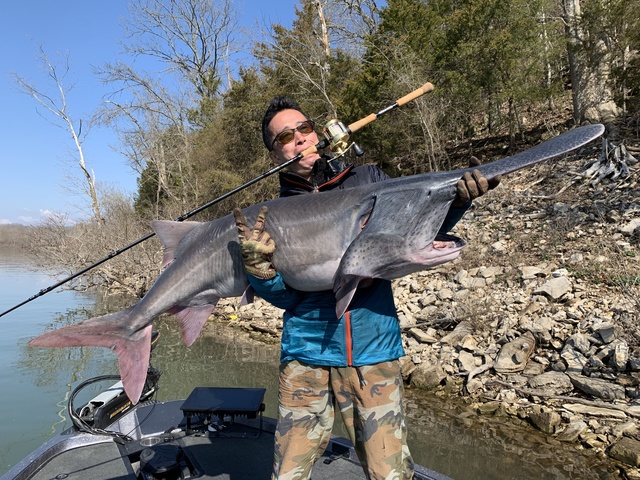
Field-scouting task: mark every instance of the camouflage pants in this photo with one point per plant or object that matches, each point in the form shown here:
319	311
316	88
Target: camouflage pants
372	413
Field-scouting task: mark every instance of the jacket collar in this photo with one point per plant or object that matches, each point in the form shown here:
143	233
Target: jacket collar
325	176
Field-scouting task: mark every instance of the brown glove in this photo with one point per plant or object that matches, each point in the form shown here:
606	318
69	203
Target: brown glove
473	184
256	246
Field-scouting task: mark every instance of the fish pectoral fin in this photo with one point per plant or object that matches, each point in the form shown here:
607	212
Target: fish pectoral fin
248	296
193	319
345	290
367	257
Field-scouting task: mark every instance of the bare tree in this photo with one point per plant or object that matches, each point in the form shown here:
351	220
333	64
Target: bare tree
192	38
154	130
64	249
351	22
301	55
58	107
324	34
185	44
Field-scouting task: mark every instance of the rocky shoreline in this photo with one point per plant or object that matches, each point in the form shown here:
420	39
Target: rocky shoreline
539	317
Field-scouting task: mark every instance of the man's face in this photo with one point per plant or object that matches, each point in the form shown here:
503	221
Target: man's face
287	119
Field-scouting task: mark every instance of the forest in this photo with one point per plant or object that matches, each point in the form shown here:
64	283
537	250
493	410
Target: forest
507	75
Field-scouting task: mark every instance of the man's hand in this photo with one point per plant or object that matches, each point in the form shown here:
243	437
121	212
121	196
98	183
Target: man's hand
473	184
256	246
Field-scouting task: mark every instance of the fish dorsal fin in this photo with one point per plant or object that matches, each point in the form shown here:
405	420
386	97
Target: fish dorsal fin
170	234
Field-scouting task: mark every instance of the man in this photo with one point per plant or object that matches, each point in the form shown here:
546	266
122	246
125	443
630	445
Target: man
352	360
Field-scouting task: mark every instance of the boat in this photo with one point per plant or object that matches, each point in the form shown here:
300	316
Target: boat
214	433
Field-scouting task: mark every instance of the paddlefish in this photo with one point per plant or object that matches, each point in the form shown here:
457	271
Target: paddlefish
332	241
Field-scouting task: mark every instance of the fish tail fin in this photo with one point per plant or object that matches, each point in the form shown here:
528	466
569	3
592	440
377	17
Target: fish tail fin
132	347
133	362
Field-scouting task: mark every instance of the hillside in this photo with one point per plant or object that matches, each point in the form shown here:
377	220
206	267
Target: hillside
13	235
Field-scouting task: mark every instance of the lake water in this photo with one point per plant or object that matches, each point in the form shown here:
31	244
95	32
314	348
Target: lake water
35	385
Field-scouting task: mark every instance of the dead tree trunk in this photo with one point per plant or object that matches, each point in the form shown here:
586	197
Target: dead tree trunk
590	69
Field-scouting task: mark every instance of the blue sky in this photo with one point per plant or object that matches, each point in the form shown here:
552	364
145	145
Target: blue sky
34	153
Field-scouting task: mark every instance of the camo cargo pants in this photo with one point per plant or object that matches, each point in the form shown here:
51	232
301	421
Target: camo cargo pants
372	413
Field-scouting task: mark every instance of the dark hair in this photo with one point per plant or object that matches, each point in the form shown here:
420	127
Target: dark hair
276	106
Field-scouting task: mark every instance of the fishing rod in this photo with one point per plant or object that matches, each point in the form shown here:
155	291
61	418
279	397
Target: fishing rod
182	218
336	138
338	135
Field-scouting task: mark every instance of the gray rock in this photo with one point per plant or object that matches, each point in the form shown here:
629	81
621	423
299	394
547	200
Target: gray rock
561	272
427	376
555	288
466	361
634	364
545	420
576	258
529	273
490	272
630	227
575	361
607	332
533	368
557	383
499	247
474	385
595	362
620	356
461	295
407	367
626	450
594	411
457	335
428	300
597	387
469	343
422	336
580	341
572	432
513	356
591	440
626	427
445	294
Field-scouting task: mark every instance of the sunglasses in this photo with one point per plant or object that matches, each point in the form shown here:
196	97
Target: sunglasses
286	136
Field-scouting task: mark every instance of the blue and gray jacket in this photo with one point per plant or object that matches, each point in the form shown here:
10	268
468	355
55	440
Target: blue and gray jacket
369	332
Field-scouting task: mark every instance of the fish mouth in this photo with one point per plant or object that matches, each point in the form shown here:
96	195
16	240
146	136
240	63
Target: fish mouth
444	248
446	241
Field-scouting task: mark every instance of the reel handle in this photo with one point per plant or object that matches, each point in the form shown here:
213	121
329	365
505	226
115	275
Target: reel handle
426	88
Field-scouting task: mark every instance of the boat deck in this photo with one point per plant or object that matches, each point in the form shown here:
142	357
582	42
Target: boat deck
165	444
